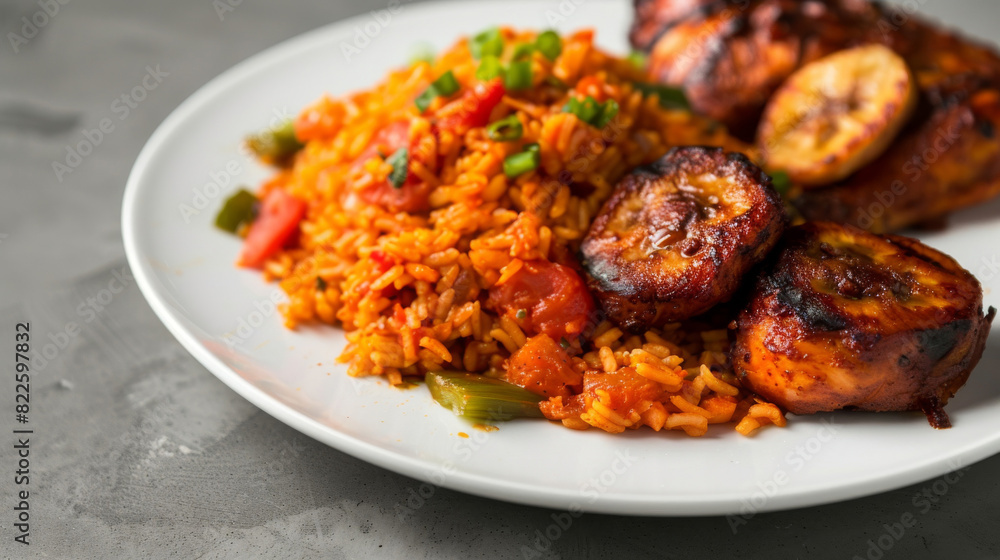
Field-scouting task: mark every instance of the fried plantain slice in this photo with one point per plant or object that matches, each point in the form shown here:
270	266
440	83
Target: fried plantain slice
677	237
837	114
846	319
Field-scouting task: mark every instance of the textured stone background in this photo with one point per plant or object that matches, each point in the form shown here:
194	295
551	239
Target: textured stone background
142	453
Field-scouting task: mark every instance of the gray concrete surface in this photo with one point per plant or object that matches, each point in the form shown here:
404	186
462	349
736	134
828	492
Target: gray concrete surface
139	452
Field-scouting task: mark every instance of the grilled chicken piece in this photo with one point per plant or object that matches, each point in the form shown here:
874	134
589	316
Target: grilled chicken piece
678	236
845	319
731	57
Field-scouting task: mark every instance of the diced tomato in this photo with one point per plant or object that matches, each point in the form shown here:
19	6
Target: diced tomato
543	367
625	387
321	120
280	214
474	107
545	297
412	195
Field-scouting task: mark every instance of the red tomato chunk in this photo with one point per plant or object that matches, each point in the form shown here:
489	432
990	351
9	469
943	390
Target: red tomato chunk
543	367
545	297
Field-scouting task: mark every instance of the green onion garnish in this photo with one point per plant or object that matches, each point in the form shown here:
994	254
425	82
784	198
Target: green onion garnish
608	112
275	145
564	343
591	112
637	59
781	182
522	51
400	162
238	209
479	398
444	86
518	75
505	130
522	162
487	43
549	44
521	314
670	97
489	69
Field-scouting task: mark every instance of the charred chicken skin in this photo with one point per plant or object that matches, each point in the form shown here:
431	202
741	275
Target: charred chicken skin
732	56
677	237
846	319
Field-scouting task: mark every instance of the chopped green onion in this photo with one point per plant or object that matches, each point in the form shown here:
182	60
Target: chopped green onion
608	112
400	162
423	101
549	44
505	130
239	209
781	182
522	51
479	398
564	343
444	86
533	147
521	314
320	284
637	59
670	97
489	69
591	112
275	145
518	75
487	43
522	162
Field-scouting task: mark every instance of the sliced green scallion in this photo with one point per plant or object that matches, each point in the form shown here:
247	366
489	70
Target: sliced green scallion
480	398
275	145
781	182
670	97
239	209
400	162
522	162
490	68
523	51
518	75
445	85
590	111
549	44
487	43
505	130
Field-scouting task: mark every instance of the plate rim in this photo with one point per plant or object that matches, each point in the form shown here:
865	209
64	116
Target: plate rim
472	483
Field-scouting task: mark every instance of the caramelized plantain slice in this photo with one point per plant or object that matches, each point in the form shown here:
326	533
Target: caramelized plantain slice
677	237
845	319
837	114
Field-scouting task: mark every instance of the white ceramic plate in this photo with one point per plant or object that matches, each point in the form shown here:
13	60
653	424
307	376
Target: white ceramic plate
225	317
